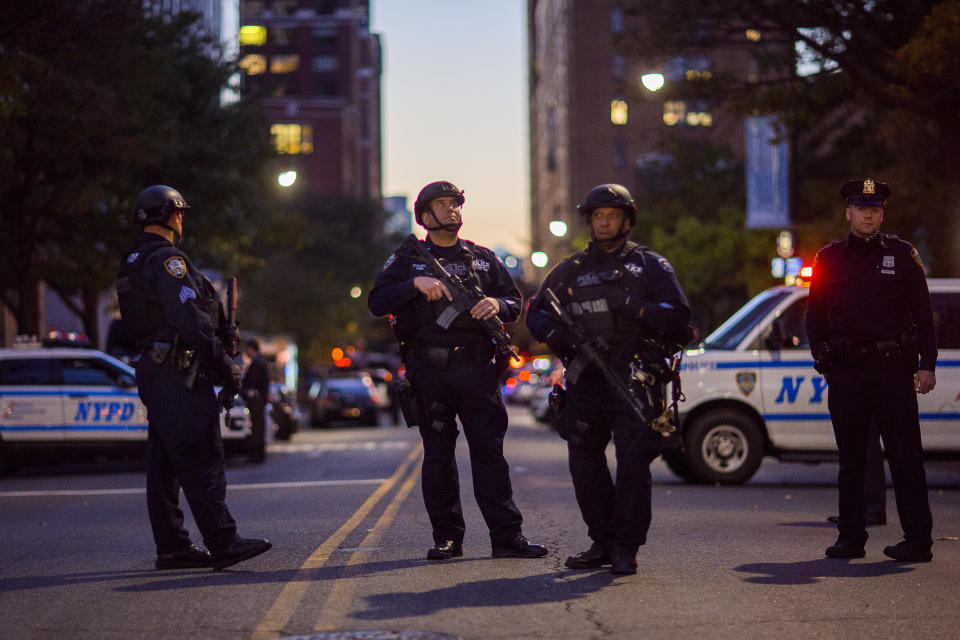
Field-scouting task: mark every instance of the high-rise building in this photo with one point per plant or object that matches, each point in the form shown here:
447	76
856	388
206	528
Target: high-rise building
595	116
316	66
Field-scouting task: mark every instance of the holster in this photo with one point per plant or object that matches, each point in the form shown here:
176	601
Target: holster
555	402
410	405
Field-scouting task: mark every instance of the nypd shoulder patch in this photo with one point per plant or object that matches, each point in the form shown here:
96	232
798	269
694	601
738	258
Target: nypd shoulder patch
665	265
133	257
916	257
389	261
176	266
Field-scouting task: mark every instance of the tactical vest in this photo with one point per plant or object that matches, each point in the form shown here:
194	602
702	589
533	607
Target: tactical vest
139	307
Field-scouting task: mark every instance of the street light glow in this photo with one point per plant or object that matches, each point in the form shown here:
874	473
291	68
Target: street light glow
355	292
652	81
287	178
558	228
539	259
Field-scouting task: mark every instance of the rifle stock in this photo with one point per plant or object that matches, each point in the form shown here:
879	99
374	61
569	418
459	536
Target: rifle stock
592	350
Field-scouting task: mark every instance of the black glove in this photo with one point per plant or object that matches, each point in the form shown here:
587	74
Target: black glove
231	386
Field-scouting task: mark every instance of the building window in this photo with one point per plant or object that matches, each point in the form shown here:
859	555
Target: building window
254	64
253	35
679	112
618	111
617	67
325	34
619	153
616	20
674	112
289	138
325	63
285	63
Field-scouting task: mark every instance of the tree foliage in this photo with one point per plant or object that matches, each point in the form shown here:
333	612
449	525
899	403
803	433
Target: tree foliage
878	98
98	101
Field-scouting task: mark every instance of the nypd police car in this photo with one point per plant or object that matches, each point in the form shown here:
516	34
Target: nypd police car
58	403
751	390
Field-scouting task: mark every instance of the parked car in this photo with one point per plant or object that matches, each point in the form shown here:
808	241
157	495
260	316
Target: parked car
751	390
67	403
343	400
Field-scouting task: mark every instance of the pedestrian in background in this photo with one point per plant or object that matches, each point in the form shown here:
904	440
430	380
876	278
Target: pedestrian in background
256	391
868	321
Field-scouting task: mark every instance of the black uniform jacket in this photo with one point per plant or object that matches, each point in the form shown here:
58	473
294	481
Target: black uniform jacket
415	318
870	291
187	300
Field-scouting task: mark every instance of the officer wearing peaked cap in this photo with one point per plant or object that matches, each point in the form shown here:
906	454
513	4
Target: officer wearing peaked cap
870	327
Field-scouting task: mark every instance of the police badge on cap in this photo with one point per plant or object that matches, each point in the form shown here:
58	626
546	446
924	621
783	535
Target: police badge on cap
865	193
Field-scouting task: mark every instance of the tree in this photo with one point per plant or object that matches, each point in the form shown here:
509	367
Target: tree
879	96
98	102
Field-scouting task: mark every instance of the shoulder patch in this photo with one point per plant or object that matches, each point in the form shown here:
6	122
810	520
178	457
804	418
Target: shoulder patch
916	257
186	293
133	257
389	261
665	265
175	266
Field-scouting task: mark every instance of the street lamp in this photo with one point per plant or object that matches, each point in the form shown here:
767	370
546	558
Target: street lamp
287	178
652	81
558	228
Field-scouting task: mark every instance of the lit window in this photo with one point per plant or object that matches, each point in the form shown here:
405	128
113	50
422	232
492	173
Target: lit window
753	35
674	111
706	119
325	63
292	138
254	64
253	36
284	64
618	112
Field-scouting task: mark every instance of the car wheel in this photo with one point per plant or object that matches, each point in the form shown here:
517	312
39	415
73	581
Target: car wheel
723	446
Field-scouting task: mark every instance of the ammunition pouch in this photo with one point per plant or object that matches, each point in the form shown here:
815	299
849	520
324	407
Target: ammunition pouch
169	354
417	411
443	357
573	429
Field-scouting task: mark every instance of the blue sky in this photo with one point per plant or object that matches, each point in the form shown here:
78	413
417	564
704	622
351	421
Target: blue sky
455	108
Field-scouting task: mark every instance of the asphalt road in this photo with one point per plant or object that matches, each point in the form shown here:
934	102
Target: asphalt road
344	512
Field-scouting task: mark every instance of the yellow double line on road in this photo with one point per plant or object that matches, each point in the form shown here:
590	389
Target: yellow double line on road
289	600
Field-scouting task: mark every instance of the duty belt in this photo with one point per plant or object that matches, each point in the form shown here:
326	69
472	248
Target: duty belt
168	353
871	352
442	357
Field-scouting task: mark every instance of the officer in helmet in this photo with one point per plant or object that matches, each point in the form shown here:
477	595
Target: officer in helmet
453	373
185	348
622	295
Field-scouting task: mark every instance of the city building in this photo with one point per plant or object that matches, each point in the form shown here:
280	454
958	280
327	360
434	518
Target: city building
317	67
595	114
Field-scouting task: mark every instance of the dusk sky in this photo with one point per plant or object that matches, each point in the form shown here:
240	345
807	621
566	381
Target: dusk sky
455	108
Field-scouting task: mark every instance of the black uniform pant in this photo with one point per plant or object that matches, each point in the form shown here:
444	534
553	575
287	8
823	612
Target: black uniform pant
183	450
616	511
471	391
258	427
881	392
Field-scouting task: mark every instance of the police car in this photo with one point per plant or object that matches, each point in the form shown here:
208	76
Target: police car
59	403
751	390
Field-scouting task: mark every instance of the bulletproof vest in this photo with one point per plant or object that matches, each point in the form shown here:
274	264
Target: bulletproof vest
590	288
139	308
421	322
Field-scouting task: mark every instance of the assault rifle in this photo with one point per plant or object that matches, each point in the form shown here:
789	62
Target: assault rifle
465	295
591	350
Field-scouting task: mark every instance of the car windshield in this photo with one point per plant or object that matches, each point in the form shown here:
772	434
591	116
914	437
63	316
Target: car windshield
731	333
346	385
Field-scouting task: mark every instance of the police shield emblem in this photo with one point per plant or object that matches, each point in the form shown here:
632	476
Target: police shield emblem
746	381
888	262
176	267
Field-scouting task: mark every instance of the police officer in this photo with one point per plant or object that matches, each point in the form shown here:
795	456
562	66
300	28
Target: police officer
620	293
175	316
453	373
868	319
256	390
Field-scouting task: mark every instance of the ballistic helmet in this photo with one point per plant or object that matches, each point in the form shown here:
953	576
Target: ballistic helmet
435	190
609	195
155	204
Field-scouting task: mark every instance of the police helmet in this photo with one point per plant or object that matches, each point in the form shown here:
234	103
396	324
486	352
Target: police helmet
434	190
156	203
609	195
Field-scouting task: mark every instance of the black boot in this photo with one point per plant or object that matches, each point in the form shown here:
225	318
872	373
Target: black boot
623	561
846	549
445	550
596	556
188	558
907	552
518	547
239	550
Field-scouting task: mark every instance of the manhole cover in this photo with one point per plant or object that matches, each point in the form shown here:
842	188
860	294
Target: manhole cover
375	635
